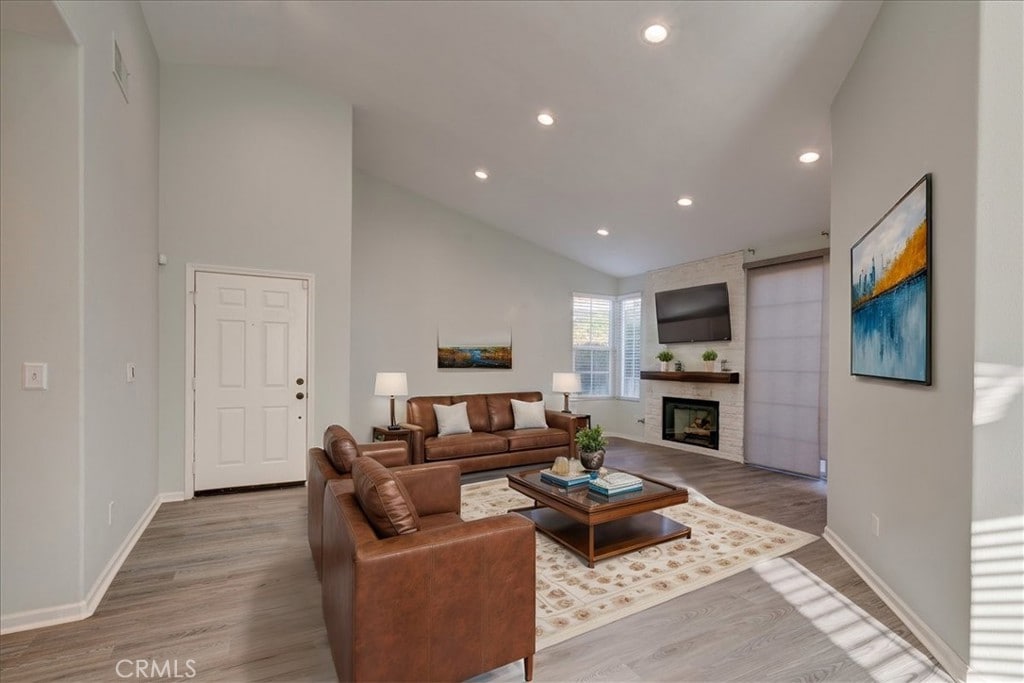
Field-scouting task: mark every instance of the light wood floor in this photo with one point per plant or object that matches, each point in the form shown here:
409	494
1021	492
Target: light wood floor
228	583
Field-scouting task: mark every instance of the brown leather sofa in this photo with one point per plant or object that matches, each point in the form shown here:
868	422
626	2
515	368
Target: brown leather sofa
413	593
334	461
493	442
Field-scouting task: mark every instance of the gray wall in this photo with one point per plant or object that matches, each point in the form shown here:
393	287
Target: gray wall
419	267
81	223
120	287
998	463
255	172
903	451
999	311
40	321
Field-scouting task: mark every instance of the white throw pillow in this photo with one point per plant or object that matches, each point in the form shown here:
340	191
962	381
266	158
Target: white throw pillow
528	415
452	419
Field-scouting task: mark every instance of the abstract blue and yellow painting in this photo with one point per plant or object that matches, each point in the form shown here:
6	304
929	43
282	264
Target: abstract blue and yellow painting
890	289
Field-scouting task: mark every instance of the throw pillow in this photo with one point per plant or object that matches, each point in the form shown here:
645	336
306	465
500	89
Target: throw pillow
452	419
383	498
528	414
341	448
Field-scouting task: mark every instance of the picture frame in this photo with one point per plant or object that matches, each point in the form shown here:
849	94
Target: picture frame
489	357
890	292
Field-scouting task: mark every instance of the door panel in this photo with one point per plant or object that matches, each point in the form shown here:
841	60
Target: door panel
250	350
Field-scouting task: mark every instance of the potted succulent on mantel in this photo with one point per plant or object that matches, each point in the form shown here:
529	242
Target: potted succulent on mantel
590	443
709	357
665	356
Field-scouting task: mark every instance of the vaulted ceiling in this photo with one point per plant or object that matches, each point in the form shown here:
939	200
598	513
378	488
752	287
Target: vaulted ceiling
718	112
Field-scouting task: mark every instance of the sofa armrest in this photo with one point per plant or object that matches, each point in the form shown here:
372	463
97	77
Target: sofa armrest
387	453
434	488
463	597
566	421
319	473
560	420
416	452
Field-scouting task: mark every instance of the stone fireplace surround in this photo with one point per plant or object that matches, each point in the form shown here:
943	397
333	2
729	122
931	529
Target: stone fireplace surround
727	268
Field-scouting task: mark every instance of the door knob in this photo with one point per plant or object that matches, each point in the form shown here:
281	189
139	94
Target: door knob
300	381
300	395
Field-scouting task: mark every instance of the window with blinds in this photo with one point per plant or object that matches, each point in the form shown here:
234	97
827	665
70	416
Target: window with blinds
629	346
592	343
787	366
605	328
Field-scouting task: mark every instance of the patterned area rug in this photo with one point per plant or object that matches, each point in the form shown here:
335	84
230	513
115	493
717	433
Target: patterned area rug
573	599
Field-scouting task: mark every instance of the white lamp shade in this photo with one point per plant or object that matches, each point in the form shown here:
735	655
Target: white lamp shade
391	384
566	382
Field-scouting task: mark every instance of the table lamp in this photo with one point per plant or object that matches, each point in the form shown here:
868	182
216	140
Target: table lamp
566	383
391	384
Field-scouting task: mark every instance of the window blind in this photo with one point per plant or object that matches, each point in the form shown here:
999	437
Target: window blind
629	346
786	390
592	343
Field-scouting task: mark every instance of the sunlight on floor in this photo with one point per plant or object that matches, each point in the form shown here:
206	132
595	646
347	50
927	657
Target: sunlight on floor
884	655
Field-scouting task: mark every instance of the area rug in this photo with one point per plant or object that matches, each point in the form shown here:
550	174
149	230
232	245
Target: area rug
573	599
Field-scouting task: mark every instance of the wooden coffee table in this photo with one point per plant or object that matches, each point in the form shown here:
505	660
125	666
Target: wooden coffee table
596	526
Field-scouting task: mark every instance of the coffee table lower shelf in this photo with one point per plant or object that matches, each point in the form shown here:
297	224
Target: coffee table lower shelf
608	539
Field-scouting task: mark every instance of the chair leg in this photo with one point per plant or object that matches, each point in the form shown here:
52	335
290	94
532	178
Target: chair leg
528	665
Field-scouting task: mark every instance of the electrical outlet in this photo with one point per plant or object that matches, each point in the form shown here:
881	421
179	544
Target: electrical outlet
110	513
876	525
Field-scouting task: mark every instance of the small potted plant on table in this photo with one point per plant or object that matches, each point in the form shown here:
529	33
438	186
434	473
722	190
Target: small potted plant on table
710	357
665	356
591	443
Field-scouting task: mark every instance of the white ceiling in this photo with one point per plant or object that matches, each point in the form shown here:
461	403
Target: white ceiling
720	111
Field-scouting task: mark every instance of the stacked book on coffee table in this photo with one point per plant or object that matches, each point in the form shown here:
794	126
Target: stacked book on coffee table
564	480
614	483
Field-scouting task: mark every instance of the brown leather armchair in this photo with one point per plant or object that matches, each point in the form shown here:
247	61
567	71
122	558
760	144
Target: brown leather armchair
429	597
334	461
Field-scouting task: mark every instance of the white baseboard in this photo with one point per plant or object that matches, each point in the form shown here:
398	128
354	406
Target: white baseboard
172	497
76	611
38	618
627	437
943	653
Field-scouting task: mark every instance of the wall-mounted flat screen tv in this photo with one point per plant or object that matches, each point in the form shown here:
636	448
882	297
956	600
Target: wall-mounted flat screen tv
693	314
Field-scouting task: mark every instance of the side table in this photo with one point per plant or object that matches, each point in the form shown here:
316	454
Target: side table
582	421
382	433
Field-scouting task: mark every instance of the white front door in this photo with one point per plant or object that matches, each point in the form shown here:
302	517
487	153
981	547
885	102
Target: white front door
250	380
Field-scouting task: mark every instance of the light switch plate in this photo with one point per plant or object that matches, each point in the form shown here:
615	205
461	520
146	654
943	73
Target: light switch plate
129	372
33	376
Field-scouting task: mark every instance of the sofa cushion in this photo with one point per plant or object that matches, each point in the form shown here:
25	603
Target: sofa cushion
463	445
528	414
383	499
420	411
452	419
500	407
341	448
530	439
476	406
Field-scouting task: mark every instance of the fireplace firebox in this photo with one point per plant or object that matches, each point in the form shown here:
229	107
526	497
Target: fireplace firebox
690	420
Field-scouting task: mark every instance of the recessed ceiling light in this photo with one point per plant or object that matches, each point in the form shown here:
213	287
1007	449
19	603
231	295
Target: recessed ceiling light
684	201
545	118
655	33
603	232
809	157
481	174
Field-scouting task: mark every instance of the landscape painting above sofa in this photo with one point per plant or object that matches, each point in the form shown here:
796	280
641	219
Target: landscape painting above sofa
493	357
890	270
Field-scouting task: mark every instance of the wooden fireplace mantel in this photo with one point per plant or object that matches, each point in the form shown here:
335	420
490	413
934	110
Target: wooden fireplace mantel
712	377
